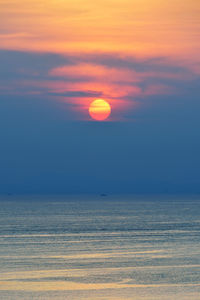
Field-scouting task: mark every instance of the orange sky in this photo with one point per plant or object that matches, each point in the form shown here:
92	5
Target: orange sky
133	28
141	27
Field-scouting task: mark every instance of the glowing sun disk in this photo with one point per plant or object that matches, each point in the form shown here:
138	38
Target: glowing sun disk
99	110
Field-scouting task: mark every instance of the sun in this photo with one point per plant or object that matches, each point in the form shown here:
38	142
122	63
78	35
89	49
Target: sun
99	109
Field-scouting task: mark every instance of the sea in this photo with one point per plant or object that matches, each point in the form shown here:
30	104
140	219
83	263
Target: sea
100	247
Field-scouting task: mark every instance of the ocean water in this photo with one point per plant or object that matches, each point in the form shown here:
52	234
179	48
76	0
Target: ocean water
100	248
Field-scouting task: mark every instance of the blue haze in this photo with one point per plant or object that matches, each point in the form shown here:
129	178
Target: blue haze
44	150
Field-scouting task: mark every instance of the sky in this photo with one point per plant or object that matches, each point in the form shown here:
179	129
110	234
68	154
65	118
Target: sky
57	56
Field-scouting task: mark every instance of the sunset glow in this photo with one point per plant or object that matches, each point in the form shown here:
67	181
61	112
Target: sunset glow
119	50
100	143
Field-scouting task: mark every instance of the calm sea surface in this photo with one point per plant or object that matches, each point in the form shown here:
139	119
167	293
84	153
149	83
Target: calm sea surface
99	248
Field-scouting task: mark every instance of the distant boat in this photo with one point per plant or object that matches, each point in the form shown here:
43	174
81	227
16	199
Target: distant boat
103	195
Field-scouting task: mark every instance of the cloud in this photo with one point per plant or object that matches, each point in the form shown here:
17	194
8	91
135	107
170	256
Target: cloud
15	35
125	81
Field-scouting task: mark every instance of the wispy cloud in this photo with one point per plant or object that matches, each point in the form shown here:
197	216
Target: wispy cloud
77	79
